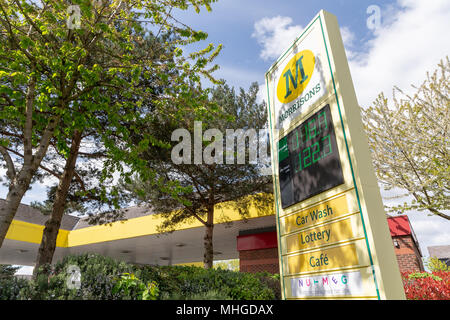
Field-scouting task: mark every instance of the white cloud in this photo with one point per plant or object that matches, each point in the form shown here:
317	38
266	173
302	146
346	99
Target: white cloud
275	35
430	230
348	37
402	51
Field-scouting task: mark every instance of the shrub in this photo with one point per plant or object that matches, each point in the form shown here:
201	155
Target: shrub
434	264
427	286
185	282
98	277
272	281
130	287
103	278
13	288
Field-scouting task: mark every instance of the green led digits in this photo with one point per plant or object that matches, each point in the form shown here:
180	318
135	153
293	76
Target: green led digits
316	150
309	142
306	158
312	130
309	161
327	146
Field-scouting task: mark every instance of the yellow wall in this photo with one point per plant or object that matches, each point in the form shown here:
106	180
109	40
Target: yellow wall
135	227
30	232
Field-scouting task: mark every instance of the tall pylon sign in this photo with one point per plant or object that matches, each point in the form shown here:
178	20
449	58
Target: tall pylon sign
333	236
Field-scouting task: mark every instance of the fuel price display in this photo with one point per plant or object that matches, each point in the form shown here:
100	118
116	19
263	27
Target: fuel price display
309	160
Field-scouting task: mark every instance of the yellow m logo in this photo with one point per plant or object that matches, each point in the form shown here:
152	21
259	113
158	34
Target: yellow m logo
295	76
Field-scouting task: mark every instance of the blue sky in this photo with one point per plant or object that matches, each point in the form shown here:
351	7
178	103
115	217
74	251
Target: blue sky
232	23
410	41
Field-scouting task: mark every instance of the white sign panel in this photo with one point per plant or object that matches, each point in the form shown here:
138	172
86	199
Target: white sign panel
300	78
339	284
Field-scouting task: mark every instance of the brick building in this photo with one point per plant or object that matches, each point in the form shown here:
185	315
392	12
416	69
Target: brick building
406	246
258	248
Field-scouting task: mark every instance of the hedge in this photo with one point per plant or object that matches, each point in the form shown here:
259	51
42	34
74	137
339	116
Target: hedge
103	278
427	286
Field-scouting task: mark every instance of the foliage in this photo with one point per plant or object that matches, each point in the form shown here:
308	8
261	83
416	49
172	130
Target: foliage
59	81
434	265
272	281
129	286
103	278
421	275
232	264
93	188
202	184
187	281
98	276
410	145
7	271
427	286
11	287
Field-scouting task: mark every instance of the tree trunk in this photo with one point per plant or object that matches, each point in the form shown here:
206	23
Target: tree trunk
20	184
208	257
48	244
15	194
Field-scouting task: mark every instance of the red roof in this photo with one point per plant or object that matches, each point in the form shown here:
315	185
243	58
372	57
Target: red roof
257	241
399	226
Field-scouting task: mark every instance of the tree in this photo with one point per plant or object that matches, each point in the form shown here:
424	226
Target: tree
194	189
410	144
435	265
55	67
130	118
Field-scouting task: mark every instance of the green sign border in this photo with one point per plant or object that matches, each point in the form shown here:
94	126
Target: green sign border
347	149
